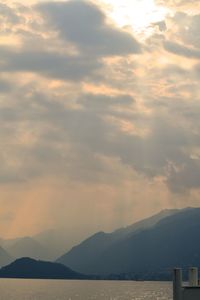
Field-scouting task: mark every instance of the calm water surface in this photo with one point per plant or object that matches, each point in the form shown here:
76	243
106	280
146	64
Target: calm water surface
14	289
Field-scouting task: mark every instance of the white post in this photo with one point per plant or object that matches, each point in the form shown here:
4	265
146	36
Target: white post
177	284
193	276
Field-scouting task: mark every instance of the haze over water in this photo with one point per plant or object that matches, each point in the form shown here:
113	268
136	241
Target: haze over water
13	289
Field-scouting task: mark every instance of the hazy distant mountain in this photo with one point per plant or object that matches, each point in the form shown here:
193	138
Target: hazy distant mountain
5	258
89	251
6	243
173	241
55	241
59	240
27	247
47	245
30	268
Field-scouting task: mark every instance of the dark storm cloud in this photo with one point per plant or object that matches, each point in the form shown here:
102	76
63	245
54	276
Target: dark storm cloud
78	22
84	24
50	64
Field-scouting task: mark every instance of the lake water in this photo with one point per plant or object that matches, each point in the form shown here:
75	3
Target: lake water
16	289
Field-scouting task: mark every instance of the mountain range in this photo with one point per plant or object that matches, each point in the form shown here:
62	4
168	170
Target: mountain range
90	249
47	245
155	245
51	244
148	249
28	247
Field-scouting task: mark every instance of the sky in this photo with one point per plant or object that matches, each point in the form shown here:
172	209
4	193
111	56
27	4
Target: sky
99	112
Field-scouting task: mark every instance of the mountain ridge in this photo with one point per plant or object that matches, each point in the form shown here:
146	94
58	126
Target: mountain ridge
151	249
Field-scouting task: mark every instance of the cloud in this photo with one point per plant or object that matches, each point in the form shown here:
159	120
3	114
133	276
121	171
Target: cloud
182	38
72	142
83	42
181	50
34	129
185	177
5	86
177	3
90	127
105	103
50	138
84	24
161	25
187	26
50	64
7	14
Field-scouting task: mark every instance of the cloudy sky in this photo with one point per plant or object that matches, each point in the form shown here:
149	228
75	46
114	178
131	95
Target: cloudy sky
99	112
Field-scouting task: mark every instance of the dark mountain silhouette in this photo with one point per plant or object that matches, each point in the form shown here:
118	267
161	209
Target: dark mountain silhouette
30	268
27	247
5	258
90	250
173	241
